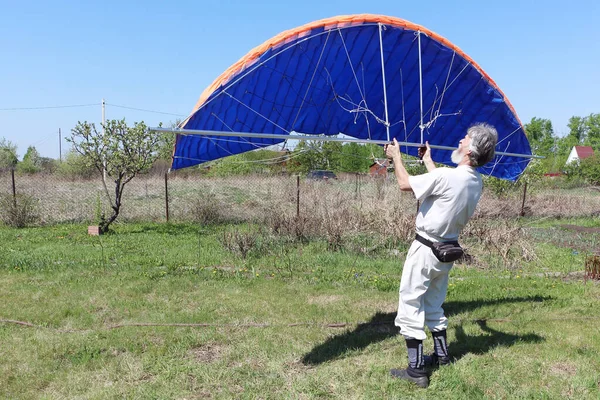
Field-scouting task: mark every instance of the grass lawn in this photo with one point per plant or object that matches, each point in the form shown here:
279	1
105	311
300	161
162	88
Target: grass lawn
287	321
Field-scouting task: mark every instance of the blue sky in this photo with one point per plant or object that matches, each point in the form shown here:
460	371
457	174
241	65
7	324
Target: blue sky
159	56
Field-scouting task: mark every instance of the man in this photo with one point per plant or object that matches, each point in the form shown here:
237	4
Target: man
448	199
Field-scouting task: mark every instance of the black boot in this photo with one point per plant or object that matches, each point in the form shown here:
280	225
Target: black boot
440	355
416	370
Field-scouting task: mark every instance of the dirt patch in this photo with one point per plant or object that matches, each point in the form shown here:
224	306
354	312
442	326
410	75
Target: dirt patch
583	229
207	353
563	368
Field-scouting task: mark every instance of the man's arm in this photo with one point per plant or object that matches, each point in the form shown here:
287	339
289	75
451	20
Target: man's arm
429	164
392	151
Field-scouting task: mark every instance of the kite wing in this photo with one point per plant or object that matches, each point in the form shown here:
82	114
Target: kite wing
367	76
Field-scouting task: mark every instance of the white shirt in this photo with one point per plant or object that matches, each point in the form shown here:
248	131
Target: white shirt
448	198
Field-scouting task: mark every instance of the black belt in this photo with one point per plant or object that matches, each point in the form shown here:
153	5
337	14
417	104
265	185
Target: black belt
421	239
428	243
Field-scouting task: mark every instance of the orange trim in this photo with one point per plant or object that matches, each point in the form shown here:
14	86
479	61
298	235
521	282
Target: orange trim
331	23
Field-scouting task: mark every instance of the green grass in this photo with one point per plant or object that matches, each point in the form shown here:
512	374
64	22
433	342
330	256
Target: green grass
525	333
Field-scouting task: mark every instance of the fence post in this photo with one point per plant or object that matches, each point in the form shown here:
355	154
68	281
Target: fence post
297	196
523	203
167	195
14	188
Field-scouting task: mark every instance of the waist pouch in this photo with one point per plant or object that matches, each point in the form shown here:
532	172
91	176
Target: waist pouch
443	251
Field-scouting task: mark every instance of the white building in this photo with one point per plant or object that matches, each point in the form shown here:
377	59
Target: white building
579	153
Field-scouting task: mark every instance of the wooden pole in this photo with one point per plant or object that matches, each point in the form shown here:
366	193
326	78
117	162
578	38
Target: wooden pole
298	196
167	195
14	188
524	196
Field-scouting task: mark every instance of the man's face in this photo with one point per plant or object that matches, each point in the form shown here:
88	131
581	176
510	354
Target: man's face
462	149
465	144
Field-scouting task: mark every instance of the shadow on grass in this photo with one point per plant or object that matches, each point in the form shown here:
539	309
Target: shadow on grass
381	327
489	339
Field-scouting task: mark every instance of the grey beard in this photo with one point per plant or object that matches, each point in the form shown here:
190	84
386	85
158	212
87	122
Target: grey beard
456	156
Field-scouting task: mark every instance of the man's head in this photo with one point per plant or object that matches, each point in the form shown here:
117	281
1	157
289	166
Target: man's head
477	148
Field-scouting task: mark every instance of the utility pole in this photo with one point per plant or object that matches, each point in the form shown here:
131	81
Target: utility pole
59	146
103	132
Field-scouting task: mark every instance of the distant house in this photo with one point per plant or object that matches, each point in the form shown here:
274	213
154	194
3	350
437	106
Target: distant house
379	168
580	153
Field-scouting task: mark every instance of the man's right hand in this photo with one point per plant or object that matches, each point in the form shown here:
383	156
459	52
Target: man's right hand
392	150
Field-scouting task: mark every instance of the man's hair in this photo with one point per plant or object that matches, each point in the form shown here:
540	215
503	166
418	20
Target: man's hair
483	143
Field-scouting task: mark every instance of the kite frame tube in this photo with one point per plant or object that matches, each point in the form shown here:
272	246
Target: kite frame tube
321	138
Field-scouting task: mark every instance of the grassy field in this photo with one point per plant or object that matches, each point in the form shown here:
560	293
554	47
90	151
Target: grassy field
178	311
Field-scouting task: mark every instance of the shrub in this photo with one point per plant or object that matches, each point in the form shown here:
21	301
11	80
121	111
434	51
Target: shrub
207	210
240	242
19	211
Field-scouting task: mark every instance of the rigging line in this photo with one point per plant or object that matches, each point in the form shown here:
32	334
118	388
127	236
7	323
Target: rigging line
352	67
446	87
509	135
403	114
47	107
446	83
142	109
312	78
214	142
457	76
498	160
231	129
467	98
228	127
431	114
358	108
269	161
221	121
362	69
385	104
432	122
254	67
256	112
420	84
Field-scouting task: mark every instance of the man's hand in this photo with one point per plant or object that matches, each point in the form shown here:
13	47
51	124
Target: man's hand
392	150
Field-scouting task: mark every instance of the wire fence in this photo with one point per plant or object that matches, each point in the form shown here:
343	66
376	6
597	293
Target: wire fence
186	197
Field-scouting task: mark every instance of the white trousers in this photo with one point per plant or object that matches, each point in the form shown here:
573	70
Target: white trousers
423	289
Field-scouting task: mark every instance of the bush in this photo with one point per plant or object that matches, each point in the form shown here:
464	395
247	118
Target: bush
19	211
240	242
207	210
75	166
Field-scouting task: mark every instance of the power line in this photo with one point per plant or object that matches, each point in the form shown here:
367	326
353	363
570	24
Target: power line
142	109
47	107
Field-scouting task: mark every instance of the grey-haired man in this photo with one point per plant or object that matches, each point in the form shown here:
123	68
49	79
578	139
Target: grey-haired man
448	199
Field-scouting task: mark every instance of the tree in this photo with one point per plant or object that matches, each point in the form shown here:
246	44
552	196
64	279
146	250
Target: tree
8	154
590	169
358	158
74	165
32	161
166	142
122	151
541	136
307	156
592	127
576	129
